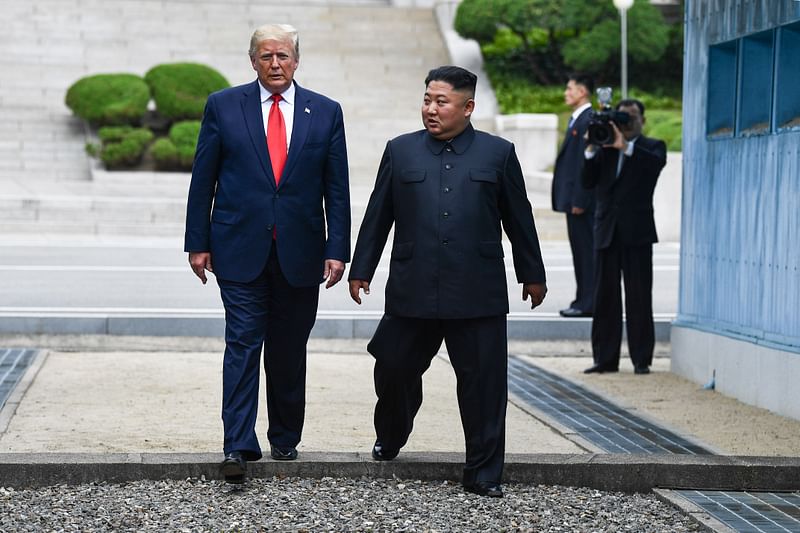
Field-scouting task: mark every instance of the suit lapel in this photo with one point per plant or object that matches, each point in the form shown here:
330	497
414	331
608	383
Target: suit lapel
253	118
303	112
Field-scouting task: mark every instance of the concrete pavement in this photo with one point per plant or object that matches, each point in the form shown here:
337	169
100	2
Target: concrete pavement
118	408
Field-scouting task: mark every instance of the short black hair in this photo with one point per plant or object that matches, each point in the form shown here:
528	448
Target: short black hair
583	79
631	101
460	78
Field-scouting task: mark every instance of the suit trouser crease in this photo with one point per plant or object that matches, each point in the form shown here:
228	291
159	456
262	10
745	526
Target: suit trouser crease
265	314
580	232
634	265
403	350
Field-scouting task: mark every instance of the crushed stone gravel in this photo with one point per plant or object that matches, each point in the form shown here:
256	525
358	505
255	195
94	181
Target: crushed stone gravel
330	504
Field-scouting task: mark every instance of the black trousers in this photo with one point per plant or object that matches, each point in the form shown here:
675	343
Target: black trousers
266	313
404	348
580	231
634	265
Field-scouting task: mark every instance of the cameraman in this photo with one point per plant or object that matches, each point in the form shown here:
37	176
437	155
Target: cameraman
623	175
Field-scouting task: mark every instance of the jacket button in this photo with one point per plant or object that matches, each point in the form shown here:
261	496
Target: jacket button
447	189
446	214
445	241
448	166
269	227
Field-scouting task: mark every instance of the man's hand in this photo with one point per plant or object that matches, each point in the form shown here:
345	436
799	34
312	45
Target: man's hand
200	262
333	272
578	210
355	286
535	290
620	143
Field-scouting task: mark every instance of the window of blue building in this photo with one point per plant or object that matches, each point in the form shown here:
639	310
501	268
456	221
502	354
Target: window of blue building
722	62
755	89
787	84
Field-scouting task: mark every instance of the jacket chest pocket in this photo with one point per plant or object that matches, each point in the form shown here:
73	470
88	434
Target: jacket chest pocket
480	175
412	176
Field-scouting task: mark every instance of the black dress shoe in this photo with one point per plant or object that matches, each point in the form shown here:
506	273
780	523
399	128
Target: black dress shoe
641	370
485	488
233	468
282	454
599	369
572	312
379	453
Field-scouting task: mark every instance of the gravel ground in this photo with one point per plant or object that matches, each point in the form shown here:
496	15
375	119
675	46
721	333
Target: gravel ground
330	504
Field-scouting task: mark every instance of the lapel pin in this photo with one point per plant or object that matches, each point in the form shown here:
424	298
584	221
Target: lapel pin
307	110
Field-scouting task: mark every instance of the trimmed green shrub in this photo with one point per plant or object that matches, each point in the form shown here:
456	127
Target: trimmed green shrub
180	90
176	152
109	99
123	146
665	125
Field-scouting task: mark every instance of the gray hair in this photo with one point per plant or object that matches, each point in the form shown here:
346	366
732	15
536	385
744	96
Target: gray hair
277	32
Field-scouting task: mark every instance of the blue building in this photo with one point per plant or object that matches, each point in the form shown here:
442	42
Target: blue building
739	303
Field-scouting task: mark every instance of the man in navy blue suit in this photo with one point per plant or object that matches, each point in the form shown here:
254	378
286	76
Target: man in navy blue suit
270	174
569	197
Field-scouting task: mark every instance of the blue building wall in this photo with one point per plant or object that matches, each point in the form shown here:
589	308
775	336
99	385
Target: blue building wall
740	233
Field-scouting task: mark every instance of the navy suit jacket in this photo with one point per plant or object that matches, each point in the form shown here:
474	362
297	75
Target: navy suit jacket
567	191
447	202
234	204
625	202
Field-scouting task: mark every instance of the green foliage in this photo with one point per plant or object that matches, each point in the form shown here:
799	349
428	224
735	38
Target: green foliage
516	95
176	152
545	40
665	125
123	146
180	90
109	99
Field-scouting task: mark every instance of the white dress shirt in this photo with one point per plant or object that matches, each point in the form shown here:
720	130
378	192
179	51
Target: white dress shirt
286	106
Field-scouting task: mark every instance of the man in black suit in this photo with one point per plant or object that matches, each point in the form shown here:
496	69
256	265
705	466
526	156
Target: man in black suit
569	197
623	175
447	189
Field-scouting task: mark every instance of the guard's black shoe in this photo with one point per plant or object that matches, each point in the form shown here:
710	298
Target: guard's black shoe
599	369
233	468
379	453
485	488
572	312
641	370
282	454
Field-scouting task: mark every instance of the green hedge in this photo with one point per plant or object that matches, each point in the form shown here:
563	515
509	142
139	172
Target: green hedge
109	99
180	90
176	152
517	95
122	146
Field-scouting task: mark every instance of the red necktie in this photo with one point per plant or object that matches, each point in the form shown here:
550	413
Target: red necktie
276	138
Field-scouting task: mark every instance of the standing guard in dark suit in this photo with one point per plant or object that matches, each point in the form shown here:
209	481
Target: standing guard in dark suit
269	171
624	175
570	197
447	189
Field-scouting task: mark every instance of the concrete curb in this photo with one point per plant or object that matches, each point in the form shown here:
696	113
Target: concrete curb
625	473
330	324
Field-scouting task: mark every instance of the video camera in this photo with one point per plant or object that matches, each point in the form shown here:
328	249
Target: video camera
599	129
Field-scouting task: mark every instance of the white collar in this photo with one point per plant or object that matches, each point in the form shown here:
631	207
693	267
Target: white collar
287	95
581	109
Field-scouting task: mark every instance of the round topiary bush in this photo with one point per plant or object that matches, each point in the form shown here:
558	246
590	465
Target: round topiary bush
123	146
180	90
176	152
109	99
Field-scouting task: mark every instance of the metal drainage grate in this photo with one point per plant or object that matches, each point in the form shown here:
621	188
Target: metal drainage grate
750	511
602	423
13	364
